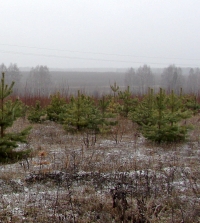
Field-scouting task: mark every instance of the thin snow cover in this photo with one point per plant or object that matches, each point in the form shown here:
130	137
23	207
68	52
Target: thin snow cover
64	175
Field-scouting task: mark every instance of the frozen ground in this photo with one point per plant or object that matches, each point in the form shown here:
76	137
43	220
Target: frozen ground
122	178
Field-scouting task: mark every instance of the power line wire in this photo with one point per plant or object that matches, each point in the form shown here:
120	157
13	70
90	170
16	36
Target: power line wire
89	59
95	53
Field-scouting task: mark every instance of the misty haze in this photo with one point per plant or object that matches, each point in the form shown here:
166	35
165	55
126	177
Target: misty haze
90	45
100	111
42	81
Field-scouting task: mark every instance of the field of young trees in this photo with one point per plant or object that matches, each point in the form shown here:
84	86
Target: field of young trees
121	156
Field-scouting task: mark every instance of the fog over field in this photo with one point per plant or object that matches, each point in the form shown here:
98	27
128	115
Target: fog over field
89	45
75	34
96	81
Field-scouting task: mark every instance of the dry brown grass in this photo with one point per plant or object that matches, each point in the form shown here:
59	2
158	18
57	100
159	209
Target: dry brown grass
122	178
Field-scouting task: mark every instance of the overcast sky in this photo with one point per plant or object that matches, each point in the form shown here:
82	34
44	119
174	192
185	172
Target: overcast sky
100	33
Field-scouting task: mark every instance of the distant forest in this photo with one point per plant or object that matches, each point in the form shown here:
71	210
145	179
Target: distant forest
41	81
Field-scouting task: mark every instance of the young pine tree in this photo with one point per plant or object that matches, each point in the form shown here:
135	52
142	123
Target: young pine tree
108	118
192	104
164	124
9	112
36	112
57	108
144	111
128	103
78	113
115	89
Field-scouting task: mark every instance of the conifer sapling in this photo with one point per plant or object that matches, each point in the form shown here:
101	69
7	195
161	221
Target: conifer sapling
9	112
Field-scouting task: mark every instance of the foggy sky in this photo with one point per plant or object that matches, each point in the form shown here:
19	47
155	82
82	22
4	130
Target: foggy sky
100	33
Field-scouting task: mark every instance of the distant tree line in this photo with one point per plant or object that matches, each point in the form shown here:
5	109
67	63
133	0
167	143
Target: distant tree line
39	80
171	78
12	73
